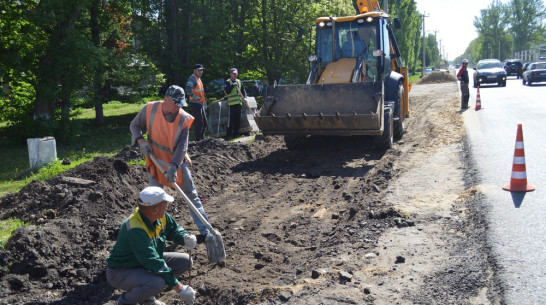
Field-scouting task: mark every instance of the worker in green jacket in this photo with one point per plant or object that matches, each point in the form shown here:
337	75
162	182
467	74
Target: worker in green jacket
137	263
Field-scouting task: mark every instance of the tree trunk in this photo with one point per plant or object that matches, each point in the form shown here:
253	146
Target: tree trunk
173	37
99	77
46	88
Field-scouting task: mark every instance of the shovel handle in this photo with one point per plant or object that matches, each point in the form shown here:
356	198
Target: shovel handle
190	204
189	269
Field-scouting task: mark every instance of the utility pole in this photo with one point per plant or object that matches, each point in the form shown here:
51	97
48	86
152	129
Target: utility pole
440	52
386	6
436	61
424	44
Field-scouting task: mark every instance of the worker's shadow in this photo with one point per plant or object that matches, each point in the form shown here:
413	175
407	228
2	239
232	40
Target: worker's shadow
320	156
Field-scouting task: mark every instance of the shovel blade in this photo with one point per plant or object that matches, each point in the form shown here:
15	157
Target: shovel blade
215	247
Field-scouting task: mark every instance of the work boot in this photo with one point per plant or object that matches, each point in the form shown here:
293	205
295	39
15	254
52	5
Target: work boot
151	301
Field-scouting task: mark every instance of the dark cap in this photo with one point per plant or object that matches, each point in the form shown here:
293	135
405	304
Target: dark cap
233	70
198	66
177	94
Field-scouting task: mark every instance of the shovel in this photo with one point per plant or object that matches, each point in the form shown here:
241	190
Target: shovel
244	101
215	243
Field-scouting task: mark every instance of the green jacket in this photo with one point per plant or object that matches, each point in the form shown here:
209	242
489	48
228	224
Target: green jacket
140	244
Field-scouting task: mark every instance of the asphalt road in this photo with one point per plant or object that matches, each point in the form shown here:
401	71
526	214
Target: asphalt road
517	220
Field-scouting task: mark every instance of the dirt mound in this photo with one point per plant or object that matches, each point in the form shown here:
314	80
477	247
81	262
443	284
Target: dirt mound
300	227
437	77
73	220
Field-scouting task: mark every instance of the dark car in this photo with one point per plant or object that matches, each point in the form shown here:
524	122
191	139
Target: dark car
489	71
253	87
215	88
513	67
535	72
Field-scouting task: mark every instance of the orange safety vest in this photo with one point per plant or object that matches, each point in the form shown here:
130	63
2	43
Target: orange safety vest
199	90
162	137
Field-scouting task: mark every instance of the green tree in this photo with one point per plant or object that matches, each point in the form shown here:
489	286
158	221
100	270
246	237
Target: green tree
408	36
526	26
18	38
491	26
432	54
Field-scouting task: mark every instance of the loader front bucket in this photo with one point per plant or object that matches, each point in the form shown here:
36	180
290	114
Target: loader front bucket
330	109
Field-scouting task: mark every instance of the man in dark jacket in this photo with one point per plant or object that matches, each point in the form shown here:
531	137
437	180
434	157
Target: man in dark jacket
235	92
462	76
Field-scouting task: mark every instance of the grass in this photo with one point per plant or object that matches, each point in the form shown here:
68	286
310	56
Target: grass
414	78
6	228
86	141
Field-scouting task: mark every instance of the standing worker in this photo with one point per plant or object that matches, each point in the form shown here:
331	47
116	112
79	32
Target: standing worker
137	263
235	92
462	76
168	126
196	93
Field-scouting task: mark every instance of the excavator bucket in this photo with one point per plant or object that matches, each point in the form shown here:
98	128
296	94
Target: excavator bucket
331	109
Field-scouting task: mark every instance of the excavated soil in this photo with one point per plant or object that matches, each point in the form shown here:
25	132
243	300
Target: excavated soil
338	222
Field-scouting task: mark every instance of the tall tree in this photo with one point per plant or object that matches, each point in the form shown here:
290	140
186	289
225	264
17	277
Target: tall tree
526	22
408	36
491	26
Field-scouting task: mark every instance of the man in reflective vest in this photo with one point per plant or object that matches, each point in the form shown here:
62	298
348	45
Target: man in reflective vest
233	88
167	126
196	94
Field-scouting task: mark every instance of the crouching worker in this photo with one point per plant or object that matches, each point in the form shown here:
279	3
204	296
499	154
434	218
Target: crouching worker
137	263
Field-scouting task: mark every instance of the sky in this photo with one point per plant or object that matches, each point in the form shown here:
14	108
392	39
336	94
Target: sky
453	22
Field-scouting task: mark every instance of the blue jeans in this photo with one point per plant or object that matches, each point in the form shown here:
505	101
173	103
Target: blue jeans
189	189
140	284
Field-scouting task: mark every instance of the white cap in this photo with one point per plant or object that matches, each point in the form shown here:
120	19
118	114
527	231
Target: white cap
153	195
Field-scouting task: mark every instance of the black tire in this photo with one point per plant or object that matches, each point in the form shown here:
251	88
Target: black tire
386	140
294	142
399	127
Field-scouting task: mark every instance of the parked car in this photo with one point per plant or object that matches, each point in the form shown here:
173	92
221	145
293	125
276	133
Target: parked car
427	72
513	67
489	71
215	88
536	72
253	87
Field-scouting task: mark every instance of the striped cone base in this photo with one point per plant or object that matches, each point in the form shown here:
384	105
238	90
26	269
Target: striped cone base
518	181
478	100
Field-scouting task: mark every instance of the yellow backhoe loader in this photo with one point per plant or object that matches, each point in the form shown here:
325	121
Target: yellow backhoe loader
357	84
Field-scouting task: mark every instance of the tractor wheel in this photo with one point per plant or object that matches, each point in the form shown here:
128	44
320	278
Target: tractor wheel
399	127
385	140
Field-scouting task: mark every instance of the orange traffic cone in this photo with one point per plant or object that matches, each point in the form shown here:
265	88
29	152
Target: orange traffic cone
518	181
478	100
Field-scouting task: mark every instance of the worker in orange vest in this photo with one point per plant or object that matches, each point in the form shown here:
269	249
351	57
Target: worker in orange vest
167	126
196	95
